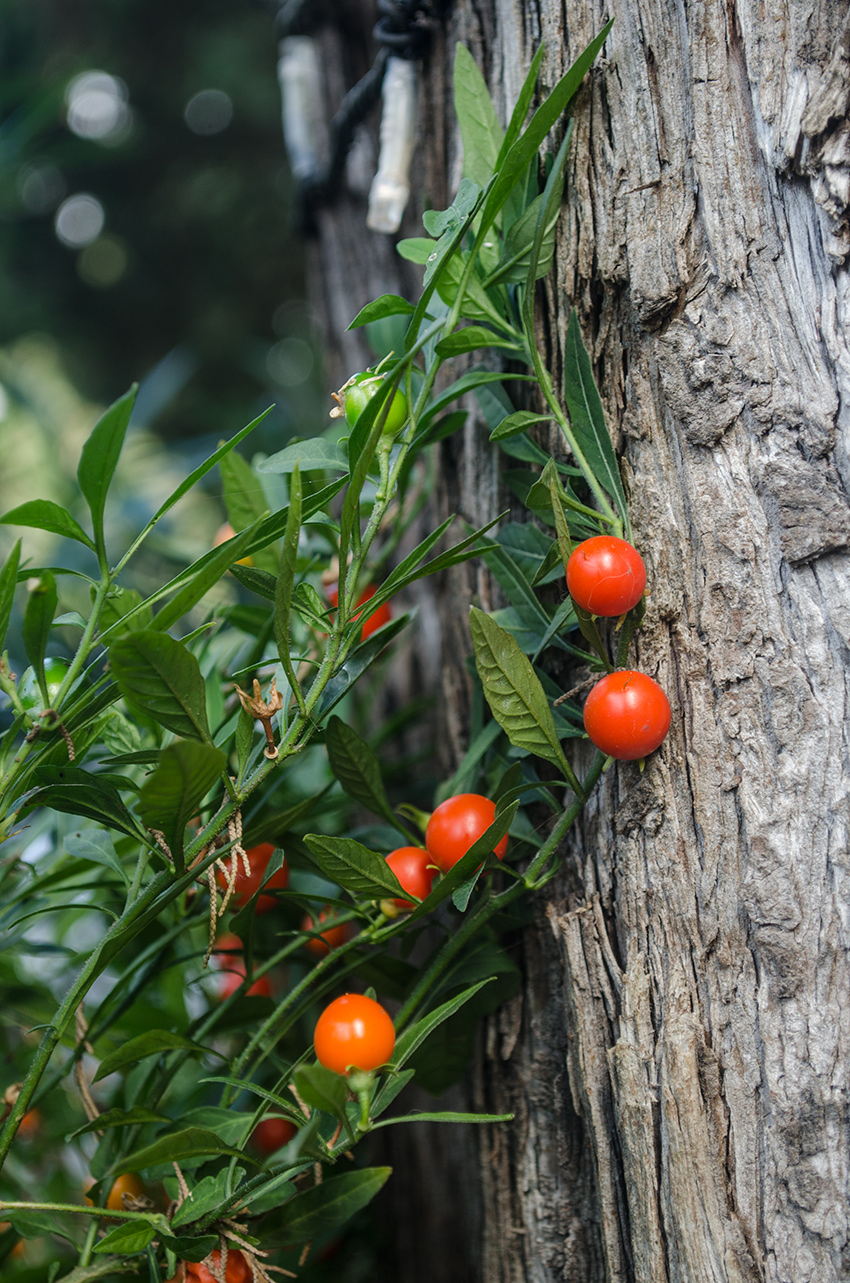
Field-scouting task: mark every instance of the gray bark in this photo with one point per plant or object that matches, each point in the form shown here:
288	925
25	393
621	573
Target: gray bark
678	1057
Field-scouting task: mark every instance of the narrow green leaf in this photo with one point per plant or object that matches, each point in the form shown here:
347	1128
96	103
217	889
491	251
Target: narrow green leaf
153	1043
286	578
513	691
162	677
415	1034
361	658
386	305
467	383
202	575
128	1239
364	873
134	1117
44	514
119	603
357	768
587	417
192	479
521	107
445	1116
532	552
38	617
99	458
170	797
244	741
515	160
515	423
325	1208
96	845
310	456
8	581
470	339
516	586
191	1142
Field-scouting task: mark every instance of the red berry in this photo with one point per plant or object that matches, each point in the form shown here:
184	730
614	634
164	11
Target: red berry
627	715
606	576
456	825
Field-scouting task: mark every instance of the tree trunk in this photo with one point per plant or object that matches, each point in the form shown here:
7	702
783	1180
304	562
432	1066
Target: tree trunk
678	1056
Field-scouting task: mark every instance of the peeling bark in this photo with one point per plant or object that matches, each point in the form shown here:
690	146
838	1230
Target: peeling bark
678	1059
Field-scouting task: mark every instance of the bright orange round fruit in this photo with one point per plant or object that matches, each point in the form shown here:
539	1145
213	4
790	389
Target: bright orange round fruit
354	1032
456	825
627	715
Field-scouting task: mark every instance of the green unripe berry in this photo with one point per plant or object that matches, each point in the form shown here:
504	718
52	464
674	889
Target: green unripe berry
29	694
359	393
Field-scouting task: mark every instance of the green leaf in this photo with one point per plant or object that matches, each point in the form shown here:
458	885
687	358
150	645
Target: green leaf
119	603
470	339
322	1089
364	873
513	691
207	1196
170	797
198	578
587	417
99	458
533	553
286	578
325	1208
444	1116
155	1042
480	130
96	845
357	768
190	1247
466	203
120	1118
386	305
191	1142
128	1239
516	587
192	479
258	581
228	1125
311	455
410	1039
517	422
162	677
476	304
44	514
521	107
514	160
357	663
416	249
8	580
310	606
38	617
83	795
246	503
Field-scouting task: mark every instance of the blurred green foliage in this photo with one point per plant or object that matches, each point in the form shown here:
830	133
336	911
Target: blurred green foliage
194	279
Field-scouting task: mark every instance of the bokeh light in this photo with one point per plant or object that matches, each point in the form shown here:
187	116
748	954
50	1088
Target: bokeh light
79	220
41	186
103	262
208	112
97	107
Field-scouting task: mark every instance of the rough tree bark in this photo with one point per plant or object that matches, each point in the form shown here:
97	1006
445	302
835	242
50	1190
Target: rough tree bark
678	1056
